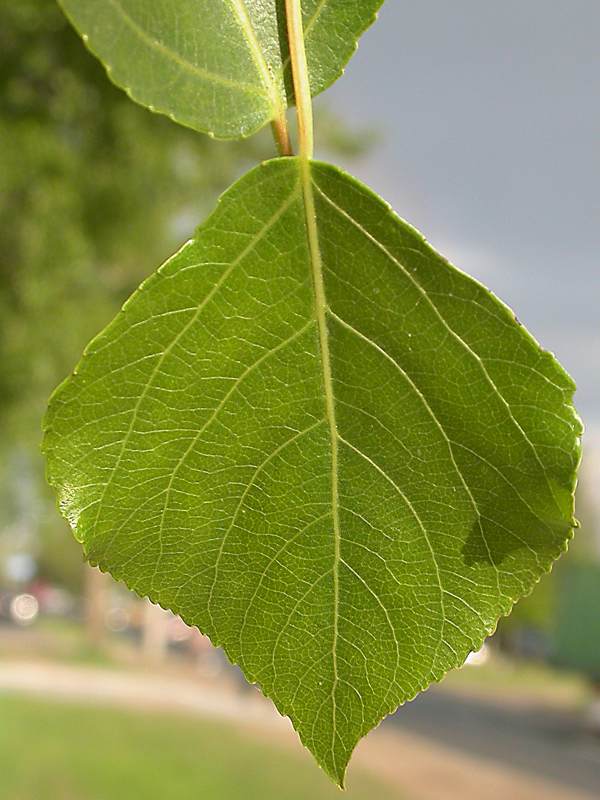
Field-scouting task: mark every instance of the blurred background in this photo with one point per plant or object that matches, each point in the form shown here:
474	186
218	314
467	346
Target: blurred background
480	123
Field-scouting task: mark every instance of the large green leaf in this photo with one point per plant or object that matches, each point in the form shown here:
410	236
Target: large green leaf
337	455
218	66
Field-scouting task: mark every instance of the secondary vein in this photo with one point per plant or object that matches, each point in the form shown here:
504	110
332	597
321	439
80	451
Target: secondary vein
243	18
162	48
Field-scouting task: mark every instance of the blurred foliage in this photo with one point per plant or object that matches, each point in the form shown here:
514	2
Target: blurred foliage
95	192
577	624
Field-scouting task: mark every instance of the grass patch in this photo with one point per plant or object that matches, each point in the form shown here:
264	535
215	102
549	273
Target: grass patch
58	751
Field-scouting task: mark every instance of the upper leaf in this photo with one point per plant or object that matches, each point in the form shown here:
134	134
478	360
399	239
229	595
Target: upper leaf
218	66
337	455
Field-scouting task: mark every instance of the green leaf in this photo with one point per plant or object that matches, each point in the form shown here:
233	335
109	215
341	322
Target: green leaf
337	455
218	66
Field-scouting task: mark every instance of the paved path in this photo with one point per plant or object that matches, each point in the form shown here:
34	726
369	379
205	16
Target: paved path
550	744
136	689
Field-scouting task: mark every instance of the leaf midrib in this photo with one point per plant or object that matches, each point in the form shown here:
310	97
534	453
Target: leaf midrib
240	11
321	306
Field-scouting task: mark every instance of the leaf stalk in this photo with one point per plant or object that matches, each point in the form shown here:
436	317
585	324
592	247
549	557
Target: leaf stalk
281	135
300	78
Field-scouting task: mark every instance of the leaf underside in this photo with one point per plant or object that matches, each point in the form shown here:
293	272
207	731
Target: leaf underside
341	458
219	66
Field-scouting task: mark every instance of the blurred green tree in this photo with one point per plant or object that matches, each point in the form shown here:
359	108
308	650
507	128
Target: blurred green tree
94	192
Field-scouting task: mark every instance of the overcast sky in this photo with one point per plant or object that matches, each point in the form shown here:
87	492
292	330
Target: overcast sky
490	121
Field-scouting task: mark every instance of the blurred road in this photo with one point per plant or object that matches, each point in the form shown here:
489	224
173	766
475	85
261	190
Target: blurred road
549	744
